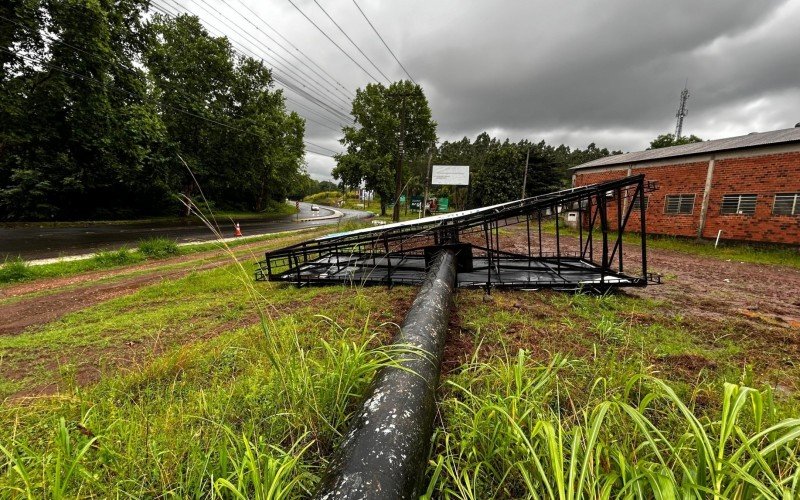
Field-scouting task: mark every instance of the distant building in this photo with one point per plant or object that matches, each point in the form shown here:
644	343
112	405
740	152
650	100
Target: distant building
748	186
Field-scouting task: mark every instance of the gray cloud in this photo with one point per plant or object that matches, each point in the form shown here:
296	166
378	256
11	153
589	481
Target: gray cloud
572	72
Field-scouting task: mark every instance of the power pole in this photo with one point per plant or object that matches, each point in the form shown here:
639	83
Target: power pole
427	182
525	177
398	178
683	110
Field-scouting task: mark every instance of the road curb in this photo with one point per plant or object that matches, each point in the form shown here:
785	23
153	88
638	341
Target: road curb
336	214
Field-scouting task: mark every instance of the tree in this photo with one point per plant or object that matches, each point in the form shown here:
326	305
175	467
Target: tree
667	140
234	134
80	135
497	168
385	117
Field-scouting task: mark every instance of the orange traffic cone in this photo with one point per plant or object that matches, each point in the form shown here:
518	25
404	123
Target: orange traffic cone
238	230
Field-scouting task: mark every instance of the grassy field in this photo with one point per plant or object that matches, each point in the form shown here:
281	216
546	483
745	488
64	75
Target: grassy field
210	385
782	255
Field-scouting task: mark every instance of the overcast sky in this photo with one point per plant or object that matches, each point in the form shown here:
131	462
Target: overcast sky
570	72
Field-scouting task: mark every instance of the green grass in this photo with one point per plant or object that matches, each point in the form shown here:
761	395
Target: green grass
158	248
114	258
15	270
741	252
244	390
779	255
512	430
214	415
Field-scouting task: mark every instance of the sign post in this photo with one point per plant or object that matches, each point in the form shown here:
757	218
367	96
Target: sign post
450	175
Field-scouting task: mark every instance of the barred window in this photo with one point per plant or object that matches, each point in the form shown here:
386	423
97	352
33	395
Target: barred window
679	204
743	204
637	203
786	204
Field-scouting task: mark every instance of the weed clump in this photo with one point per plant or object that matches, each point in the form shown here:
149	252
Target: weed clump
15	270
158	248
113	258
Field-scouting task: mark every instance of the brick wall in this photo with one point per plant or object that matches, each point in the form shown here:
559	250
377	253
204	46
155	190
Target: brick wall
762	175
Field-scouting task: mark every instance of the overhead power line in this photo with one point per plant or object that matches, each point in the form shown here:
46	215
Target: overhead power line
352	42
285	82
259	44
384	42
301	81
332	41
347	93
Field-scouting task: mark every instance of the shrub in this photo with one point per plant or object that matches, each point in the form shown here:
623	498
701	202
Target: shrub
15	270
158	248
114	258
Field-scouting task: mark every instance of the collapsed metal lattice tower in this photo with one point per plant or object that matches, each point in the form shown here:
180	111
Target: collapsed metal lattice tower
591	254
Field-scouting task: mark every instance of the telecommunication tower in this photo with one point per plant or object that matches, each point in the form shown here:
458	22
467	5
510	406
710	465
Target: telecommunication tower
683	110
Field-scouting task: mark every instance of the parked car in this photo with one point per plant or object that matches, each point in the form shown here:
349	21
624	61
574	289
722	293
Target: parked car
314	208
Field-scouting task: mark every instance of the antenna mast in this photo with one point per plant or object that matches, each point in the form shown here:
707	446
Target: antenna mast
683	110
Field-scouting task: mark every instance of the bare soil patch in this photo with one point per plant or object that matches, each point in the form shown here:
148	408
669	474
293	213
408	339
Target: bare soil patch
17	316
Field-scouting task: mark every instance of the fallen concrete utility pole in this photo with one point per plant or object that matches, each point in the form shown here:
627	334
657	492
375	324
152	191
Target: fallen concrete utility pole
384	454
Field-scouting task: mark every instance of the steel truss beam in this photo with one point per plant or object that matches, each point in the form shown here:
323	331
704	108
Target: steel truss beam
399	253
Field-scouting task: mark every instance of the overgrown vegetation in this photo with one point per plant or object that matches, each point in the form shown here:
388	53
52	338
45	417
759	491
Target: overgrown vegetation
158	248
213	386
512	430
15	270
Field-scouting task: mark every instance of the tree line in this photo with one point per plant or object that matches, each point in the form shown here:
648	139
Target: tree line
107	111
386	117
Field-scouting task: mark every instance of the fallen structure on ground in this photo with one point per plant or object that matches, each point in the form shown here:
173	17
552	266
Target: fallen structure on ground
384	454
400	253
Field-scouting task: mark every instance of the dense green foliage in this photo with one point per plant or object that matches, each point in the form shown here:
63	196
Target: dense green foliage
513	430
373	143
158	248
667	140
104	112
497	168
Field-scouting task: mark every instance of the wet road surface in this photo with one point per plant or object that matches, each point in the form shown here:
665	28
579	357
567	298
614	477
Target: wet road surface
45	242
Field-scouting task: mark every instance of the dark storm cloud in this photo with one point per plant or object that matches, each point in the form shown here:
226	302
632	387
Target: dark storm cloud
573	72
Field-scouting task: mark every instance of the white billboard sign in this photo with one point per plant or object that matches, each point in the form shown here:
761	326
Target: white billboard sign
450	175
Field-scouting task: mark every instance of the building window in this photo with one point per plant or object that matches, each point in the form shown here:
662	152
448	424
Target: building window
742	204
786	204
679	204
637	203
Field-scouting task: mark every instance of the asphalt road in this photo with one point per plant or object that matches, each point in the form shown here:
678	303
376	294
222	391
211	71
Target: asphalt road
44	242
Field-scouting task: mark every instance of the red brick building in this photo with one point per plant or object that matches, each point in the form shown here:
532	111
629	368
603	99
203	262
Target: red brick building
748	186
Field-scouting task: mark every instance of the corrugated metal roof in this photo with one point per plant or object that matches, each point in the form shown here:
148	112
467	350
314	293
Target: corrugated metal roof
741	142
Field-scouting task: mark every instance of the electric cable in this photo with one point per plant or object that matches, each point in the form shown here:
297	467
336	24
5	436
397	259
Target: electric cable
384	43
